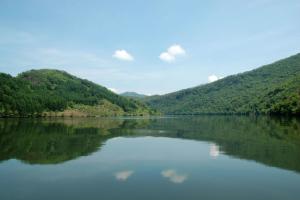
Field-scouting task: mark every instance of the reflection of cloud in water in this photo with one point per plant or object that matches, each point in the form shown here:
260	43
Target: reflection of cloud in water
214	151
173	176
123	175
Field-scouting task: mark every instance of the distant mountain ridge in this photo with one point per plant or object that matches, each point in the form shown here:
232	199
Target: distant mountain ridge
42	92
133	95
270	89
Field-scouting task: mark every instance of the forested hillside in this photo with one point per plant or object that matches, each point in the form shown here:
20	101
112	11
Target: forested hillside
270	89
40	92
133	95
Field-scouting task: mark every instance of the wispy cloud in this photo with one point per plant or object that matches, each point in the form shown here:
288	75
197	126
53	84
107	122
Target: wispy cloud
123	175
11	37
174	176
123	55
172	53
47	57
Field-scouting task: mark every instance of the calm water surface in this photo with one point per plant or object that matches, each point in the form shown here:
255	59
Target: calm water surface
207	157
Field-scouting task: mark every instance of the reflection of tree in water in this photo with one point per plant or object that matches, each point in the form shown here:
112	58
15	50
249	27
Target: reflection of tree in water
272	141
51	141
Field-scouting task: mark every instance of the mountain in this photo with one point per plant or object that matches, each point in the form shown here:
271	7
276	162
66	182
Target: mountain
133	95
53	92
270	89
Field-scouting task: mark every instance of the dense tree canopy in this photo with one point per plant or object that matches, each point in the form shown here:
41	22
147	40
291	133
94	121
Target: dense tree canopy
36	91
270	89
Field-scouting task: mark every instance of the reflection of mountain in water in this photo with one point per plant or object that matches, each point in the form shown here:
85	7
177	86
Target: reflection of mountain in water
272	141
55	141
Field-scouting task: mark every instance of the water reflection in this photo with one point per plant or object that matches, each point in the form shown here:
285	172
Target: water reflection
50	142
123	175
173	176
207	157
214	151
272	141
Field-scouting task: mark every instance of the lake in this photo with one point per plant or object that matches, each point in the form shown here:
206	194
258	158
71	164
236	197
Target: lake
200	157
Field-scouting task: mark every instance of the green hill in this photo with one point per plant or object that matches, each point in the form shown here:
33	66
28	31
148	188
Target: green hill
270	89
54	92
133	95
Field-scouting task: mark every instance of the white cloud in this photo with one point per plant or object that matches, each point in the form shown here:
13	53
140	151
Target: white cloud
171	54
113	90
123	55
165	56
213	78
176	50
173	176
123	175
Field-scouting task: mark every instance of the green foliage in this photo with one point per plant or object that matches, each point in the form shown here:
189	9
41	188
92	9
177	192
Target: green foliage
37	91
271	89
133	95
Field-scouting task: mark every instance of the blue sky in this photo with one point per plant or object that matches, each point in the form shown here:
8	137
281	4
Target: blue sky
152	47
